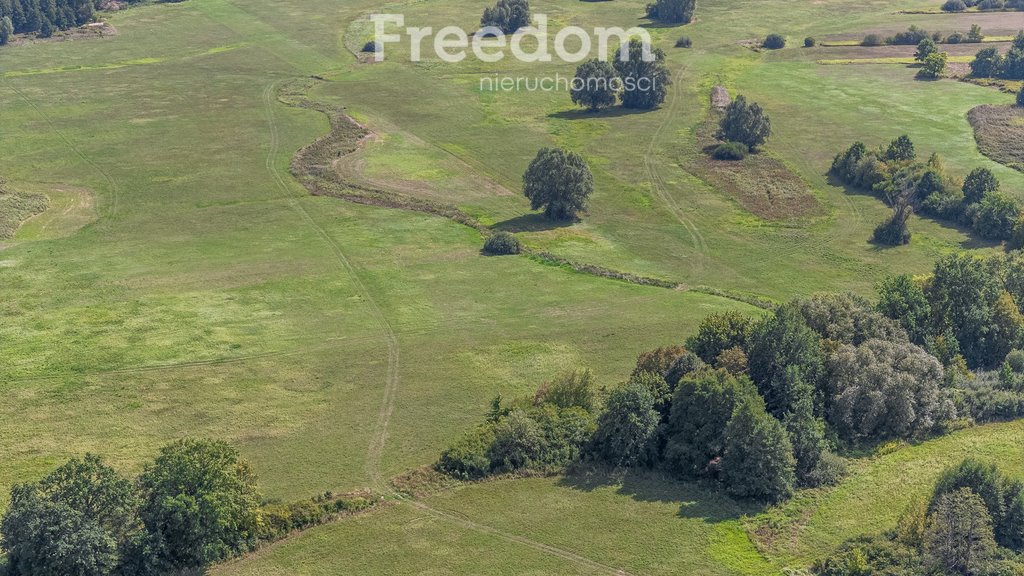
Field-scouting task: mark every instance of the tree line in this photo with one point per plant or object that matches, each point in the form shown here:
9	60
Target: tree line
894	173
989	63
972	524
763	406
195	504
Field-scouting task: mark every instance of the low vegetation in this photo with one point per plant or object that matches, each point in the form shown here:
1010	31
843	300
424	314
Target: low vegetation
16	207
999	130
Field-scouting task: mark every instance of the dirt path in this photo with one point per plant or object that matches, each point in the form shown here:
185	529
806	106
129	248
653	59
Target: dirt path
658	183
376	449
114	193
516	539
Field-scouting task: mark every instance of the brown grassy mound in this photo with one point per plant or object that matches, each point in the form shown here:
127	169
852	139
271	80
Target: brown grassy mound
999	131
16	207
761	184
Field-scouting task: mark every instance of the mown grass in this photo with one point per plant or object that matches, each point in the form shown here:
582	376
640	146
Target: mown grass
201	302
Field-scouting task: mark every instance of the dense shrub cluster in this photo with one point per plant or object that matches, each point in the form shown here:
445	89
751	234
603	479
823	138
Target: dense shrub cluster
989	63
541	434
972	524
674	11
914	36
507	15
730	151
197	503
774	42
895	174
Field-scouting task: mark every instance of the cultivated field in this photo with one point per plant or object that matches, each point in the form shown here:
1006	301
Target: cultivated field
181	282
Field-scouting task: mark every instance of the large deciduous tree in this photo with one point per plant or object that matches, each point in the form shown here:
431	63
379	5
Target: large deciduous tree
595	85
559	182
645	78
746	123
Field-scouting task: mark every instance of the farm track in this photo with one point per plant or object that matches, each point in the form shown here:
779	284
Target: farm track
658	183
114	192
377	444
376	449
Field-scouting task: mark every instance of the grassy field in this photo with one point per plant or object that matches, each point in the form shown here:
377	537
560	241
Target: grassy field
181	282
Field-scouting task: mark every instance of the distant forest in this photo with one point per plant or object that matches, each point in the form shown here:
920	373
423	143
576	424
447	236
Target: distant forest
45	16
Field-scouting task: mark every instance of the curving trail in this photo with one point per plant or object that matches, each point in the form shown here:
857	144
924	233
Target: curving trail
376	448
658	183
114	193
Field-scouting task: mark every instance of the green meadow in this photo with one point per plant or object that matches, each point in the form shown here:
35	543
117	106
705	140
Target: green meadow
181	282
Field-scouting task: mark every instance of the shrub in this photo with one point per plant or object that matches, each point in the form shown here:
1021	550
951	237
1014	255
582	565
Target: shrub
502	243
774	42
911	37
568	390
893	231
810	42
684	42
372	47
954	6
956	38
990	5
730	151
872	40
468	457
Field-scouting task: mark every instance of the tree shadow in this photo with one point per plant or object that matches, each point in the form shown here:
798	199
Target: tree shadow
973	241
697	500
582	114
533	222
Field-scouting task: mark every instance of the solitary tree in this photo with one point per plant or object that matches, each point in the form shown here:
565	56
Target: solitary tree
595	85
979	183
507	15
199	505
558	181
746	123
645	79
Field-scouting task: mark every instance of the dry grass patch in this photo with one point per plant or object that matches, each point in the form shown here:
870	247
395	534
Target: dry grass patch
762	184
16	207
999	131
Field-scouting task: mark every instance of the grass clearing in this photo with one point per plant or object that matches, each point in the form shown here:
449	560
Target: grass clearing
192	296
